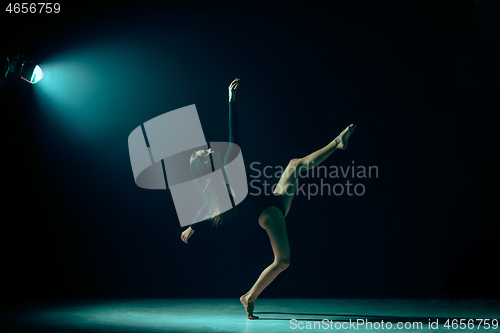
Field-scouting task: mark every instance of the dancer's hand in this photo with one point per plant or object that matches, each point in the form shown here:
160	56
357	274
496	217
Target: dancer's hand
186	234
232	89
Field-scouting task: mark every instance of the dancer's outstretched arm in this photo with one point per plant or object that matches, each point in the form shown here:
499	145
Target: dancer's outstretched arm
234	130
234	137
186	234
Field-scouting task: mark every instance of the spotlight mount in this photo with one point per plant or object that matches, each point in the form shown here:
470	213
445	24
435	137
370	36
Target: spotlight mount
26	70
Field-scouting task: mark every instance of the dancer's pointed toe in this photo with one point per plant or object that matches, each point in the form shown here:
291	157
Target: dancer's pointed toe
344	136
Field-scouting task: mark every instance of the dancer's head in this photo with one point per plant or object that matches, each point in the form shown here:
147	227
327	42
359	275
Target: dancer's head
204	152
200	164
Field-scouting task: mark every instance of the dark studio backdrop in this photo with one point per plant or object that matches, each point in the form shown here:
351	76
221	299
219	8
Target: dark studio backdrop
419	78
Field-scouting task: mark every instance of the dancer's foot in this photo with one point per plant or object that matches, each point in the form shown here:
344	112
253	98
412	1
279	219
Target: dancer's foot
248	304
344	136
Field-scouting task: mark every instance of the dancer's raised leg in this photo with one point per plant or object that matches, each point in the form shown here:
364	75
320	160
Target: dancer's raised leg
287	184
340	142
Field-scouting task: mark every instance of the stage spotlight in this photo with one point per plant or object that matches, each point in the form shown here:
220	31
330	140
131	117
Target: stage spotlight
31	73
26	70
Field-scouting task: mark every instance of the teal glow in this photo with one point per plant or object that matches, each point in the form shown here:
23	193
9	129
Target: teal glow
94	88
37	75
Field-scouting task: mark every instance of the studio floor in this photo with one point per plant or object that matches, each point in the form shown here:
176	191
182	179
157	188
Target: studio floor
227	315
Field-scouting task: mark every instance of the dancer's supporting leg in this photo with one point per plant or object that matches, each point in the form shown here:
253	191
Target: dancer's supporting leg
273	221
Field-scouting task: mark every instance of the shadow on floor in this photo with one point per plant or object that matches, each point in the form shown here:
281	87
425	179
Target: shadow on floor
348	317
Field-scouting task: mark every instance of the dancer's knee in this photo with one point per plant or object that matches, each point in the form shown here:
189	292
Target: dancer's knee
294	163
283	263
293	167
